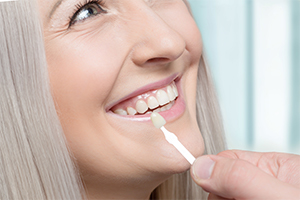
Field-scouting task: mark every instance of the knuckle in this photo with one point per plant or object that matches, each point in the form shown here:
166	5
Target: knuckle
227	154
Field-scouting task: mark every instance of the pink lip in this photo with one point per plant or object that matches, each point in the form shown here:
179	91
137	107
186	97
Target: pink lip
146	88
177	109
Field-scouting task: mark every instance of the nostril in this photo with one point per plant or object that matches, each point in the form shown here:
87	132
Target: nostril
158	60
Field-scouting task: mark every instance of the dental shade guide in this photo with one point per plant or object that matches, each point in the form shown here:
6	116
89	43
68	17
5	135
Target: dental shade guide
159	122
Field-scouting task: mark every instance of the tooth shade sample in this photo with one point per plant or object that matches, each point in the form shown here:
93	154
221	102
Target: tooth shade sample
162	97
152	102
171	94
141	106
157	120
131	111
120	112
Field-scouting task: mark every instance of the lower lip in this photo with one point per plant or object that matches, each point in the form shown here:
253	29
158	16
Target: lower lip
169	115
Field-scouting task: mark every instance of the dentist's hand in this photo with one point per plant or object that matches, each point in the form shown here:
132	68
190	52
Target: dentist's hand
248	175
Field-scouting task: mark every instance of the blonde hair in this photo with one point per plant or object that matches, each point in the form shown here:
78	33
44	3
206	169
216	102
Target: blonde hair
35	162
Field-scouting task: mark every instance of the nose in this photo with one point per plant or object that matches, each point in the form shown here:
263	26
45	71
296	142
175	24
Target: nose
156	42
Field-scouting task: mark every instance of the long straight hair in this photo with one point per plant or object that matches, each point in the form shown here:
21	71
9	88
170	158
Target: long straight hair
35	162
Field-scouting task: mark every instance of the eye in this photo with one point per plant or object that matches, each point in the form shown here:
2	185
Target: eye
83	12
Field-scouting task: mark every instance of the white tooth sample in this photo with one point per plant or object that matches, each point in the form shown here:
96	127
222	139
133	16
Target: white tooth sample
131	111
175	90
152	102
141	106
157	110
120	112
162	97
149	112
157	120
171	93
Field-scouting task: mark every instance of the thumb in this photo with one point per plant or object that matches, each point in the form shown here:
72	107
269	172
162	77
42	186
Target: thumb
238	179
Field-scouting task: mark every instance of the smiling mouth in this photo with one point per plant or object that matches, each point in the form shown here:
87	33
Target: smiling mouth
158	100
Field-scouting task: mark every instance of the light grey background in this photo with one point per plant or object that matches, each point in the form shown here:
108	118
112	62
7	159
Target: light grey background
253	48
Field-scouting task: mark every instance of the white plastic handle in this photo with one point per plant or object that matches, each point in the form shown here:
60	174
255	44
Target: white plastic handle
172	139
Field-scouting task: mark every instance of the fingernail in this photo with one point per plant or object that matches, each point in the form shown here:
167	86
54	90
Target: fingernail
203	167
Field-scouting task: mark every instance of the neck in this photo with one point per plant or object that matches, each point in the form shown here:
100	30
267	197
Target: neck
140	190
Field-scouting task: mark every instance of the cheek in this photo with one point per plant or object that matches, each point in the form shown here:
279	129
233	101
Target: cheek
82	73
192	91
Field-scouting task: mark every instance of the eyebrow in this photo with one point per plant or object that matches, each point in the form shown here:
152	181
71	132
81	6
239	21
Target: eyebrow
56	5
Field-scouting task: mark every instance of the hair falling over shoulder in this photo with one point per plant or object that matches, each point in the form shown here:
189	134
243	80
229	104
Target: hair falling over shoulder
35	162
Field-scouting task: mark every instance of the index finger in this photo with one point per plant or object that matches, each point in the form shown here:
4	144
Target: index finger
268	162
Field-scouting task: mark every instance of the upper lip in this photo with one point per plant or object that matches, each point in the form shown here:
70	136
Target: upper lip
146	88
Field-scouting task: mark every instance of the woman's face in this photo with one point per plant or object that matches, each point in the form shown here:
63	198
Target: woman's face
112	62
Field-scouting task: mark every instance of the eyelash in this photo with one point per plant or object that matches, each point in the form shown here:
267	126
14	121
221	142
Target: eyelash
80	6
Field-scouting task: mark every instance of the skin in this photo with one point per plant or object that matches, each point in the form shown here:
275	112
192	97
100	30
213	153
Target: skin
104	58
244	175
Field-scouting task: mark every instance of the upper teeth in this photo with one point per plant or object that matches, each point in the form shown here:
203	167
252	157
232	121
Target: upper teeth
152	102
141	106
131	111
161	98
